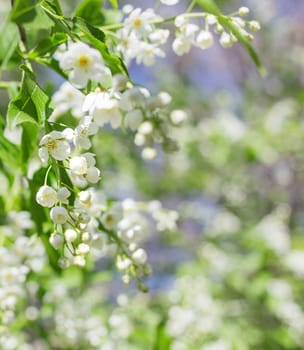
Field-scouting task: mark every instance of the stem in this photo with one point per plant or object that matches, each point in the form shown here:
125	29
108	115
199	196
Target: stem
166	20
190	7
47	174
7	84
21	30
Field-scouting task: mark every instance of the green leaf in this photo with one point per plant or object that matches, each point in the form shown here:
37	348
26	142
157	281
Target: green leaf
54	65
29	143
162	339
91	11
48	46
96	38
211	7
9	153
55	5
114	3
30	105
60	22
8	42
23	11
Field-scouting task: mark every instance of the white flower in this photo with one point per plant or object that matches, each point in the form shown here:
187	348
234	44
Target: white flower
178	116
119	82
169	2
145	128
46	196
133	119
111	218
139	21
56	240
254	26
83	249
128	44
20	220
226	40
85	129
147	53
90	157
65	99
132	98
59	215
185	38
63	194
243	11
78	165
295	262
93	174
56	145
70	235
79	260
103	108
159	36
149	153
140	256
84	64
204	39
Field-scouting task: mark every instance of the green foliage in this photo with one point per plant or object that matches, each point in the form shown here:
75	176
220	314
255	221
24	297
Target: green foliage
91	11
31	104
9	153
9	40
23	11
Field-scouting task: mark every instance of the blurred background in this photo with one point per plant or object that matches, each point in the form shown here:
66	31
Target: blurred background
230	277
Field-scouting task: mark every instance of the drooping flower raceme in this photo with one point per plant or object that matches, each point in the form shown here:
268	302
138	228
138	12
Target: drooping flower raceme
84	63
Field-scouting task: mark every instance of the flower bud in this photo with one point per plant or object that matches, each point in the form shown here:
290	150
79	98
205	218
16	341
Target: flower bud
59	215
254	26
204	39
140	256
83	249
243	11
70	235
56	240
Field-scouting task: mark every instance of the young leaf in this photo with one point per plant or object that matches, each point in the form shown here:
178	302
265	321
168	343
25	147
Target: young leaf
30	105
9	153
90	10
8	42
55	5
48	46
211	7
60	22
114	3
23	11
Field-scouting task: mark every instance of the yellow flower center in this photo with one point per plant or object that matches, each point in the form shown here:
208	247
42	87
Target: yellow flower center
137	22
83	61
51	145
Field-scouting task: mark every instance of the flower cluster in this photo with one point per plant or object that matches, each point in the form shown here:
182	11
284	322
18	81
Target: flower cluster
93	224
20	256
85	326
139	38
189	34
121	105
